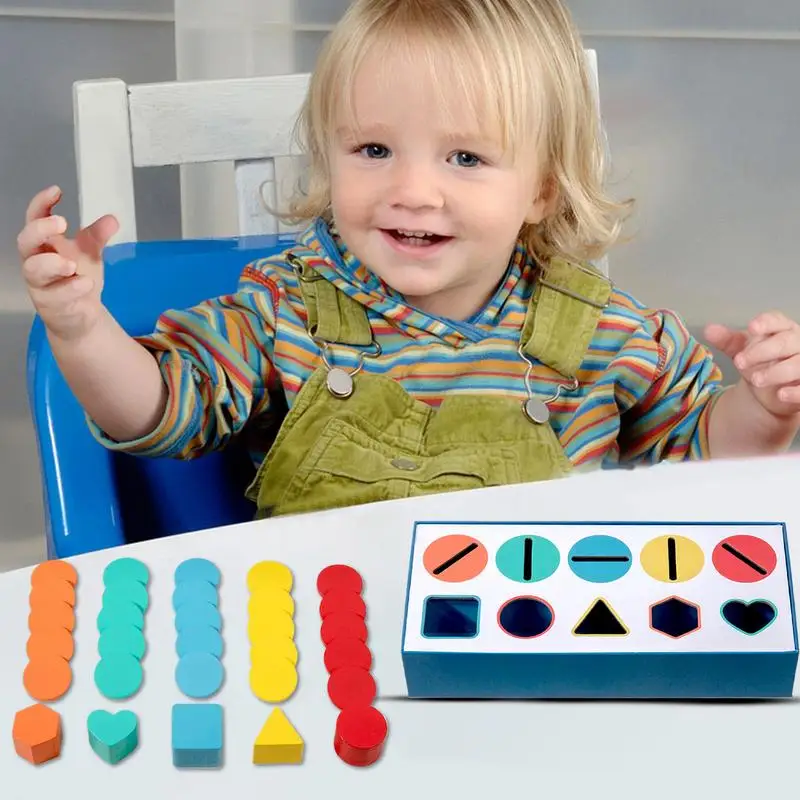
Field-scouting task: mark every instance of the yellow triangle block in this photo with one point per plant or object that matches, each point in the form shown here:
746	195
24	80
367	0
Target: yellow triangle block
278	742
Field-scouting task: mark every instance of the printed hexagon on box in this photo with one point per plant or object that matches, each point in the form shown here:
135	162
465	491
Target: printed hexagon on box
675	617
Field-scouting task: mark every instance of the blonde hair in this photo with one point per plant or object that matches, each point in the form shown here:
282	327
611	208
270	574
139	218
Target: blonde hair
521	63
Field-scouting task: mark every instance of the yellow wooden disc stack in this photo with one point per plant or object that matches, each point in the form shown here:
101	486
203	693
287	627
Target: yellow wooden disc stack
273	660
270	629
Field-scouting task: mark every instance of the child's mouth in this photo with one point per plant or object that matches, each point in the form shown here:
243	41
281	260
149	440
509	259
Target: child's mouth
411	238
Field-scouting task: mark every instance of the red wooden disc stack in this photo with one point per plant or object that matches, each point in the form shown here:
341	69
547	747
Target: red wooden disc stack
361	729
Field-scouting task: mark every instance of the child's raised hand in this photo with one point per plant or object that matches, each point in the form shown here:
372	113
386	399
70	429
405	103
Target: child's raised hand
64	276
767	355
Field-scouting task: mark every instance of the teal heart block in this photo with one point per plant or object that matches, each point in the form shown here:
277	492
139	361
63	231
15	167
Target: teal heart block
113	736
749	617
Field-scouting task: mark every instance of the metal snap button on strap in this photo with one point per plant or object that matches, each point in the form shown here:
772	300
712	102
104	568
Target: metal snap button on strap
405	464
339	382
536	410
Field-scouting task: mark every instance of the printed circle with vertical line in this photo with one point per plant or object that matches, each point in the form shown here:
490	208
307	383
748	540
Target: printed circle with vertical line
672	559
744	559
600	559
527	559
455	558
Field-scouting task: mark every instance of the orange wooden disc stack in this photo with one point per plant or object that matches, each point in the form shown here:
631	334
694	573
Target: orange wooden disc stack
51	623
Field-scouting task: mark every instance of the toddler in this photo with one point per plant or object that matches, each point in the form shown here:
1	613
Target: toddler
438	325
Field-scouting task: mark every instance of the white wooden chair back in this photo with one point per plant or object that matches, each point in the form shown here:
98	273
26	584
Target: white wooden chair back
247	121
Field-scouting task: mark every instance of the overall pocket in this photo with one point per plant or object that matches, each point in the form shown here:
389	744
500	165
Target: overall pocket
346	467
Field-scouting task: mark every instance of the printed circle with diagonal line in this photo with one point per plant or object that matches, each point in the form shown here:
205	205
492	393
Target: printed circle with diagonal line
527	559
744	559
455	558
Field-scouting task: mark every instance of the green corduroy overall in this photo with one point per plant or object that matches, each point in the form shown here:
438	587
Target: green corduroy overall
353	437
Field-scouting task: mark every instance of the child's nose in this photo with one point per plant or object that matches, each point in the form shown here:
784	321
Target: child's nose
415	187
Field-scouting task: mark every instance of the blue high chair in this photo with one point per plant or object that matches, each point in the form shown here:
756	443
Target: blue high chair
95	498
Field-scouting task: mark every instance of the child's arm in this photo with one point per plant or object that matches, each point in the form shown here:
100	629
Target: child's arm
113	377
684	412
761	414
216	360
667	387
741	426
187	388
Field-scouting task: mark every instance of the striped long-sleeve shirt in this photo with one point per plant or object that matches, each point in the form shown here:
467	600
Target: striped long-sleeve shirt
234	364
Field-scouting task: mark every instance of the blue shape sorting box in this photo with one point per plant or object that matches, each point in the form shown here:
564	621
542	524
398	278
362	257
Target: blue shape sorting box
197	735
599	610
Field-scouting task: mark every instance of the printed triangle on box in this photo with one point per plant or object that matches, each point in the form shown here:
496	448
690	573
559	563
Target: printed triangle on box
600	620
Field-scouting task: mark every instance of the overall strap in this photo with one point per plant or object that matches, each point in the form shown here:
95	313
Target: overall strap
567	303
333	316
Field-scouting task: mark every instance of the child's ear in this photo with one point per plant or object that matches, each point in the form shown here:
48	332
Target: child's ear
545	203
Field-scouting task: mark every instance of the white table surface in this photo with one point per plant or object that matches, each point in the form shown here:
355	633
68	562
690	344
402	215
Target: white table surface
546	750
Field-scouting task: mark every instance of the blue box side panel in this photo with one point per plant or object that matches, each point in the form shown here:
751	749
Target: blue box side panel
790	582
600	675
408	583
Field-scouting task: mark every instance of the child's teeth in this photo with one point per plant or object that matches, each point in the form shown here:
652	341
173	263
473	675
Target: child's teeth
417	234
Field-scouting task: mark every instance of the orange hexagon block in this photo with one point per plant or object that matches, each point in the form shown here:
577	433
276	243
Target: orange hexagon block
37	733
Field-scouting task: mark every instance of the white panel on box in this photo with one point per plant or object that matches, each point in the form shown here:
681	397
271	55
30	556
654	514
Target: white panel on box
731	575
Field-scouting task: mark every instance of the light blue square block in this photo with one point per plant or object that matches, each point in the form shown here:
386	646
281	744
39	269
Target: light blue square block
197	735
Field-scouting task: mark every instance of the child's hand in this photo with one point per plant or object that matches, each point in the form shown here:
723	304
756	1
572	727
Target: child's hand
767	356
64	276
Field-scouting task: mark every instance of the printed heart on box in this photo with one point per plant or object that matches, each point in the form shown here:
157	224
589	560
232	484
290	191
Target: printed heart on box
113	736
749	617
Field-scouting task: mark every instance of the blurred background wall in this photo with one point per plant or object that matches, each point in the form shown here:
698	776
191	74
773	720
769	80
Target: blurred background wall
699	99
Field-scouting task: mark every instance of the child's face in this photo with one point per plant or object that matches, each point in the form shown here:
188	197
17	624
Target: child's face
416	167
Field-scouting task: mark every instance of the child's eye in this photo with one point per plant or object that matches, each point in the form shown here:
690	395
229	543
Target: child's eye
464	159
374	151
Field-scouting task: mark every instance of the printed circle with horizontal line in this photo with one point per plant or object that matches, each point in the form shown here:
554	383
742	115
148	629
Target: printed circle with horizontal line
672	559
600	559
527	559
455	558
744	559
